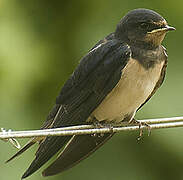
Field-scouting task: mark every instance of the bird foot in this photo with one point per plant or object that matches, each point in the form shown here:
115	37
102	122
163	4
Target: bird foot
102	124
140	124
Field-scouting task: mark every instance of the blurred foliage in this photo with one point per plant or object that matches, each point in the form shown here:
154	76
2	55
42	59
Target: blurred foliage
41	42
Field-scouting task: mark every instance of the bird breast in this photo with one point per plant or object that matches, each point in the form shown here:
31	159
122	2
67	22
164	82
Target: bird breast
134	87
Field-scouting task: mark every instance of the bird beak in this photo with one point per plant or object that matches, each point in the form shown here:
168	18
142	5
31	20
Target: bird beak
169	28
166	28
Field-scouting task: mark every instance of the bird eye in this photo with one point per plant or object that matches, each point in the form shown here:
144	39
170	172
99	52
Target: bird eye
144	26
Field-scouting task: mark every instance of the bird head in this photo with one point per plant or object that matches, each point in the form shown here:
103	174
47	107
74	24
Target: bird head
142	27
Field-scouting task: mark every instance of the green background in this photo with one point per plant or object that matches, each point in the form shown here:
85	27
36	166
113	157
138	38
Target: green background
41	42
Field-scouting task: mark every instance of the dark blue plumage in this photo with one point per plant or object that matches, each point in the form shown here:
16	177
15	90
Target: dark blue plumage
97	74
110	69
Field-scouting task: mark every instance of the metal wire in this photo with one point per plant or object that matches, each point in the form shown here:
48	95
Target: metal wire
90	129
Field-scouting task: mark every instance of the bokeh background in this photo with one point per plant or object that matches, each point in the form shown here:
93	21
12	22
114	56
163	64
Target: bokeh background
41	42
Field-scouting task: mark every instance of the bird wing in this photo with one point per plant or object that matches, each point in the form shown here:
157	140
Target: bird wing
96	75
51	116
46	125
76	150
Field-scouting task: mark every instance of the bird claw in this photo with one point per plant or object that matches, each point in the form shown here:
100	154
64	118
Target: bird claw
140	124
102	124
12	141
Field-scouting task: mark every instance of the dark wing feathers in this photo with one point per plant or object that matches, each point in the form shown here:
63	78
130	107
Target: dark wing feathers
47	124
49	120
79	148
86	72
96	75
23	149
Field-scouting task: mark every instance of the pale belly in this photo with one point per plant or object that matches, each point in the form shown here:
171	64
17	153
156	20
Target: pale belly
132	90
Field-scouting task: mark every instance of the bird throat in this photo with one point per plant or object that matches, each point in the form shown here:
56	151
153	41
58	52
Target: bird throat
155	39
148	58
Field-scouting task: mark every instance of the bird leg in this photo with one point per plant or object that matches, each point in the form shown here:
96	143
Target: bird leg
102	124
140	124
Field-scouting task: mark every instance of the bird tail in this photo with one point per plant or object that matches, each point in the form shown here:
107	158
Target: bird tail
23	149
46	150
76	150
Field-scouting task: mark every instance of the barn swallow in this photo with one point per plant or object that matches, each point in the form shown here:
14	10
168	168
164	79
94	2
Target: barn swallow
112	81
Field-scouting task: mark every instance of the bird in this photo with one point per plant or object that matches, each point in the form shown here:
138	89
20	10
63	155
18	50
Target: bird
110	84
